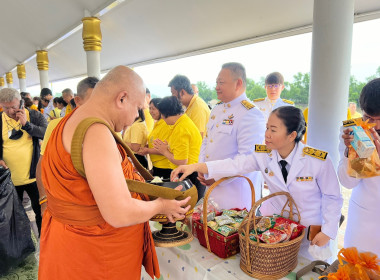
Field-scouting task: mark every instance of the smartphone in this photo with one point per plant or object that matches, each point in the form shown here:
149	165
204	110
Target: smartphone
22	102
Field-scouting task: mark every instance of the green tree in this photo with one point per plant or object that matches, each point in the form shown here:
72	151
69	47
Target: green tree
255	89
355	89
205	92
298	91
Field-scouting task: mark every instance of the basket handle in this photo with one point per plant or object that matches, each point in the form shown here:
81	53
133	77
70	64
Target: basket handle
205	199
290	202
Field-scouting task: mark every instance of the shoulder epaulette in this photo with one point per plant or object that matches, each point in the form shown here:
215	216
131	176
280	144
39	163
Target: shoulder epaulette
288	101
258	99
315	153
220	102
262	149
350	122
248	105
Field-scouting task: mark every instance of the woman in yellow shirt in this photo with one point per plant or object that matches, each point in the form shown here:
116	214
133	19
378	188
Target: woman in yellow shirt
184	142
135	136
161	165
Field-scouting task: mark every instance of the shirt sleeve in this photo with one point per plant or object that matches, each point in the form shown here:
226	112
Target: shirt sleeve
139	133
332	200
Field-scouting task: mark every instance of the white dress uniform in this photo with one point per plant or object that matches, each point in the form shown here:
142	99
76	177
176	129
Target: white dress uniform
234	128
266	105
363	227
311	181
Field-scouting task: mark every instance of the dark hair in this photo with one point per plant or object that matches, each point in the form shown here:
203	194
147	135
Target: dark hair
170	106
85	84
60	100
28	102
155	101
369	99
55	100
72	103
237	69
147	91
274	78
180	82
141	115
24	94
45	92
293	119
40	106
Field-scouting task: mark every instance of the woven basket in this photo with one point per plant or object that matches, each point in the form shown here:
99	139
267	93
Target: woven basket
268	261
226	245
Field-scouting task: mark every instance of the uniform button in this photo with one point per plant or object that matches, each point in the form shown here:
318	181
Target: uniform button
206	156
229	105
224	111
211	141
217	125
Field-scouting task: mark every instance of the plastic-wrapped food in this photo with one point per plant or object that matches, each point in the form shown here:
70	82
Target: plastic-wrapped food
264	224
242	213
231	213
297	231
210	216
291	228
226	230
272	236
238	220
213	225
224	220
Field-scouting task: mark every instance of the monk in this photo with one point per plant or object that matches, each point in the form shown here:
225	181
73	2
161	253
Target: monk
94	228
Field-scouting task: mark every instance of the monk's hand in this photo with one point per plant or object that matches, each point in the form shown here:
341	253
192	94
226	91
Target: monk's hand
186	170
347	137
376	139
2	163
320	239
174	209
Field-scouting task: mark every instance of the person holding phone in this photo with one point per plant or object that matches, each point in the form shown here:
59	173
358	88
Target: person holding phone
21	130
288	165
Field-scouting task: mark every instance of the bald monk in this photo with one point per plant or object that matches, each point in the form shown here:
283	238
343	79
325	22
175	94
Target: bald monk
95	228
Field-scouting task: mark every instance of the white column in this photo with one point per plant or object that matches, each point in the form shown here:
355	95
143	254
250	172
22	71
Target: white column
44	78
93	64
21	74
9	78
330	73
92	44
43	67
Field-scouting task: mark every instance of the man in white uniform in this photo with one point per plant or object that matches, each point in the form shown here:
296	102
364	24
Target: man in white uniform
274	85
363	228
234	127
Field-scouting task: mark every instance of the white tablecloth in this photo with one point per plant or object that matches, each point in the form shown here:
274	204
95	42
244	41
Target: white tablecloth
193	262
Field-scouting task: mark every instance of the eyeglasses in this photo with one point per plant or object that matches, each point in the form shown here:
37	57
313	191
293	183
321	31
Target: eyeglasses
273	86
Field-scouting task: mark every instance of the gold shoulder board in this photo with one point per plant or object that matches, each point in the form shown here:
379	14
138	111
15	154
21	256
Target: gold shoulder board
248	105
258	99
315	153
262	149
350	122
288	101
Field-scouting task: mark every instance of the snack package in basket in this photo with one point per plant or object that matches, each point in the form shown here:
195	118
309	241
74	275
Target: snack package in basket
291	228
265	223
362	167
272	236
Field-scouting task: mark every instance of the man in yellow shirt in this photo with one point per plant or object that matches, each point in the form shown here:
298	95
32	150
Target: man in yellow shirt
354	114
196	108
21	130
67	95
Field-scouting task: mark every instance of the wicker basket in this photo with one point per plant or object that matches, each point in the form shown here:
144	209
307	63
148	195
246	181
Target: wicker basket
268	261
220	245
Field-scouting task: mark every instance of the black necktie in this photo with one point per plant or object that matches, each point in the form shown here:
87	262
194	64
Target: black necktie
283	169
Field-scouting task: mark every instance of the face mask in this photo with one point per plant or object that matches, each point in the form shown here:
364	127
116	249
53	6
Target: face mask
16	134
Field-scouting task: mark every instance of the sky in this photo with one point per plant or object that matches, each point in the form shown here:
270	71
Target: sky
286	55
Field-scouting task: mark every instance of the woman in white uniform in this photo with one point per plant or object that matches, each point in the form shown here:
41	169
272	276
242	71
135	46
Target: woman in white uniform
287	165
363	227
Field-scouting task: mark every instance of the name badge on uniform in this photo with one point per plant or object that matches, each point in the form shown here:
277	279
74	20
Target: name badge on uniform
304	178
228	122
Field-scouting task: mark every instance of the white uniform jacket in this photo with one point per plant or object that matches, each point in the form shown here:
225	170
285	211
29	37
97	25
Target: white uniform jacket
312	182
266	106
233	129
363	226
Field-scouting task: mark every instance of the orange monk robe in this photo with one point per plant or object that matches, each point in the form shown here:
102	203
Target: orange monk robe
76	242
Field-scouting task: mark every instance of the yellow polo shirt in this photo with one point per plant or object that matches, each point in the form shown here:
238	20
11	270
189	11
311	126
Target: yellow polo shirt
148	120
184	141
33	107
17	154
160	131
55	113
198	112
69	109
137	133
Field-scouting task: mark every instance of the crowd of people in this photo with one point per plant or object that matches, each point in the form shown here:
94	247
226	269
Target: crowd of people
92	227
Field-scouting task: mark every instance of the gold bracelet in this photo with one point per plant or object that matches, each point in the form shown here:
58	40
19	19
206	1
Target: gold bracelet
43	201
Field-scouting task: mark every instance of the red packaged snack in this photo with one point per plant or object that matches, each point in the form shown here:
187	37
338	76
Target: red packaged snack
272	236
297	231
291	228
